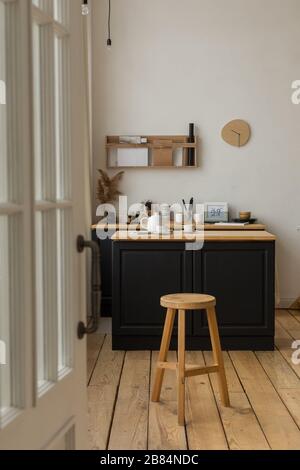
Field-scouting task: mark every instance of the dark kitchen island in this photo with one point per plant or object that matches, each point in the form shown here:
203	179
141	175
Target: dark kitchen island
237	267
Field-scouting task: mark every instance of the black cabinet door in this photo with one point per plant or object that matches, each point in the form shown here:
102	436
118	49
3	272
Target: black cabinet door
241	277
143	272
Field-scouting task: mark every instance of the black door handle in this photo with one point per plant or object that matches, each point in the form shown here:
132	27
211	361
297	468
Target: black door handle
92	325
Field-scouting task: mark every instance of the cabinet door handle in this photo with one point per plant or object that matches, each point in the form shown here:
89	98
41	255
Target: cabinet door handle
92	324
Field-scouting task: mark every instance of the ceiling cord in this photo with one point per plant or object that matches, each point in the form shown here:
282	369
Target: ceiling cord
109	41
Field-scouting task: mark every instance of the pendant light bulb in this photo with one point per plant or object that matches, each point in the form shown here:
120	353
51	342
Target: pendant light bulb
109	44
85	10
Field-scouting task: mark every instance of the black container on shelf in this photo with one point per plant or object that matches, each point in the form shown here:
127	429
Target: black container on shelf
191	151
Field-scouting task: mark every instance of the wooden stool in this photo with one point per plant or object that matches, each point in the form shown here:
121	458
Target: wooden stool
183	302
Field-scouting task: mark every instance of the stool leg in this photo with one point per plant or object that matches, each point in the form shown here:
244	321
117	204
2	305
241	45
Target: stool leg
181	367
163	353
218	355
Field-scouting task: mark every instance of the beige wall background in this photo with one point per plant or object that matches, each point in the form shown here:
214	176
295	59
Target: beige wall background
208	61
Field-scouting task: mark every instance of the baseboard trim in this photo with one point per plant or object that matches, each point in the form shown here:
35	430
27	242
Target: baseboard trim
289	303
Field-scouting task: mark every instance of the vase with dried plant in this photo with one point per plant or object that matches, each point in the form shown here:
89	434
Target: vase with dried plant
108	188
108	191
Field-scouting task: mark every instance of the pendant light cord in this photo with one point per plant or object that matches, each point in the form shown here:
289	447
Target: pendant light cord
109	18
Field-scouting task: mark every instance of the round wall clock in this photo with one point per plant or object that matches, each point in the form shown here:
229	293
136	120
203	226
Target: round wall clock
236	132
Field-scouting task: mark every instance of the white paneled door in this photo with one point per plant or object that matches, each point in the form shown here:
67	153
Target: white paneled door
42	199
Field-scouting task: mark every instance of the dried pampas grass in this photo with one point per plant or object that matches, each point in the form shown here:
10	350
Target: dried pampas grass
107	190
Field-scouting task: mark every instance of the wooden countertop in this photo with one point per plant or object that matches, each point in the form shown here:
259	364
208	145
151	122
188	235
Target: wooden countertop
214	227
210	236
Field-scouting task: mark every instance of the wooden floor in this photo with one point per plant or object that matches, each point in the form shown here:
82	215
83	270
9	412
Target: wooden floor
264	391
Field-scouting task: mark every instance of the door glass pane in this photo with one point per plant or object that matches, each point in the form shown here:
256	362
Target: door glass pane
43	97
62	118
45	5
64	286
41	373
46	296
10	160
5	365
61	12
53	293
37	110
3	117
11	303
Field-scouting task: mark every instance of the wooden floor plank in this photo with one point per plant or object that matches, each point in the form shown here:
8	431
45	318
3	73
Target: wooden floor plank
108	367
291	398
296	314
130	422
164	431
284	379
203	425
278	370
241	426
94	344
289	323
284	341
275	420
102	393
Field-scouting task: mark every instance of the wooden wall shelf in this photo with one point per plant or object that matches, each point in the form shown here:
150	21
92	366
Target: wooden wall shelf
164	151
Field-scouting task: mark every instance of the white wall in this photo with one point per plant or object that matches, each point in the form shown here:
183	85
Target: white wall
208	61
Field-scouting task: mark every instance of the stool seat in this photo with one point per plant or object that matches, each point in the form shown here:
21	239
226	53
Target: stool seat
188	301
